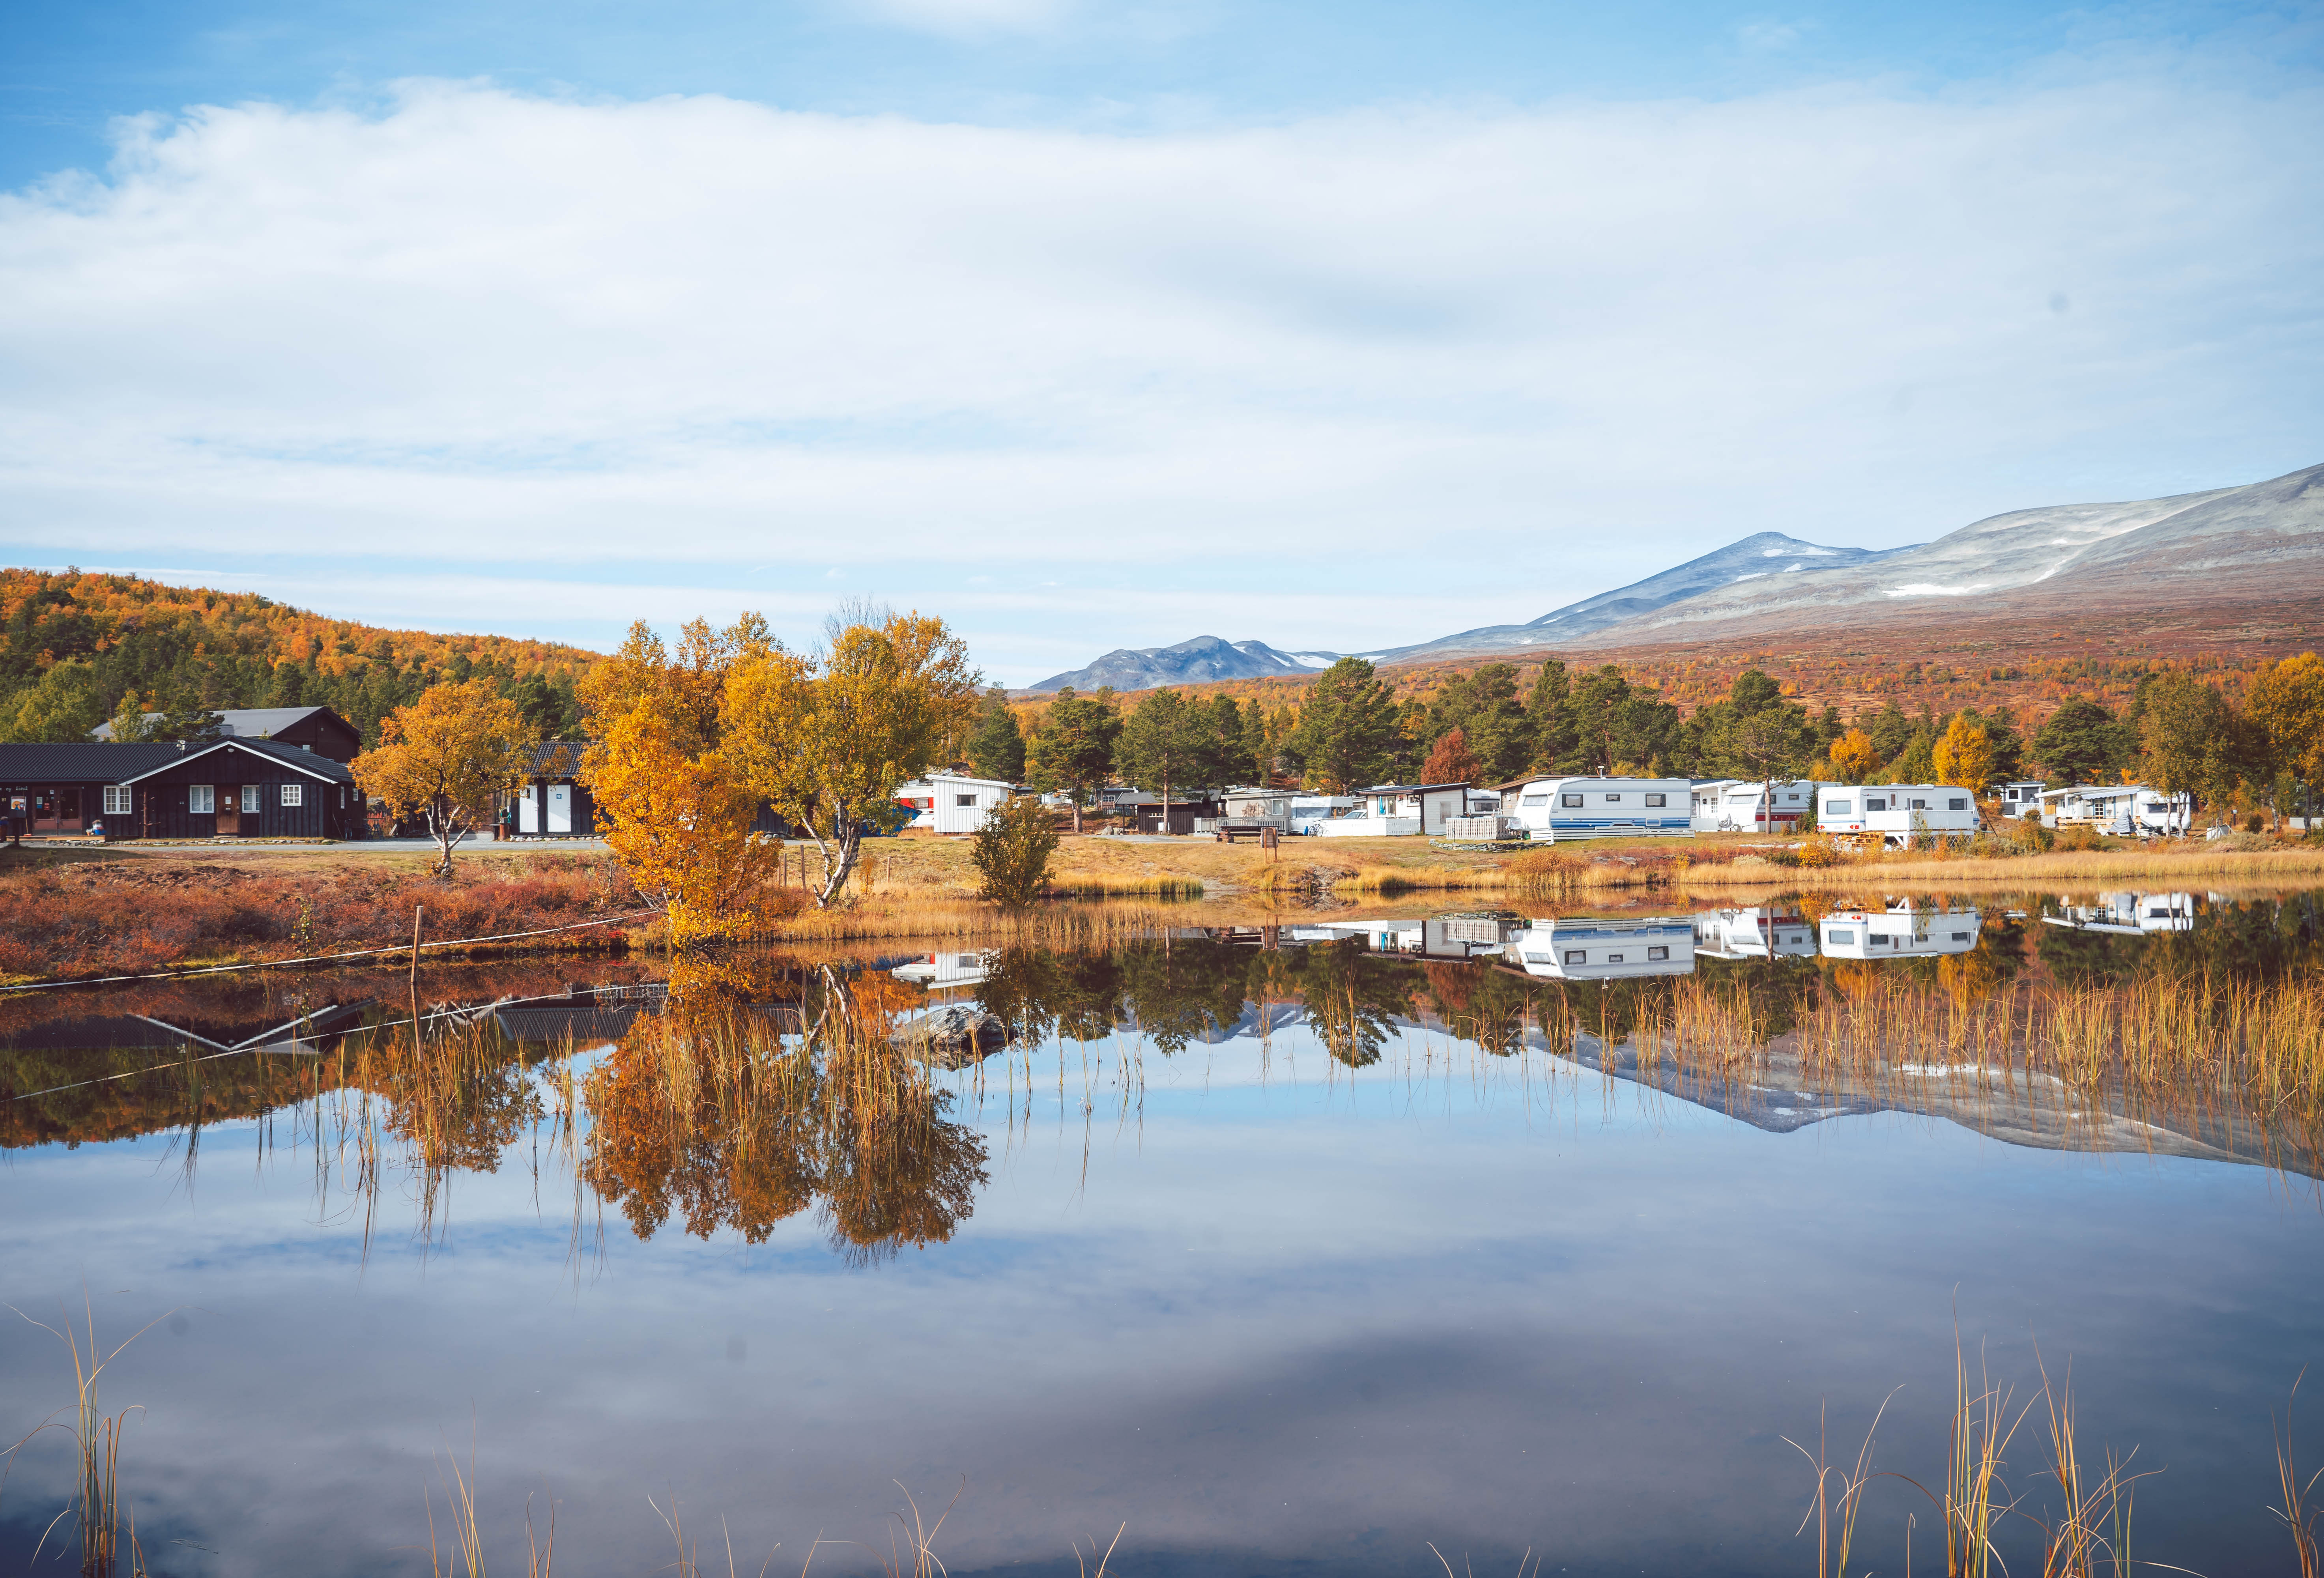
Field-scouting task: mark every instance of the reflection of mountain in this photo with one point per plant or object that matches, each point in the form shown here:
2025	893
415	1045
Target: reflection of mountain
1778	1094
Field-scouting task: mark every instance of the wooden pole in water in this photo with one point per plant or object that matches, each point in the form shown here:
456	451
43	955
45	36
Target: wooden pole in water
417	911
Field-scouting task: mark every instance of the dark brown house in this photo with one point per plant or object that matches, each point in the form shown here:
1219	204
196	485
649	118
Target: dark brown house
316	729
233	789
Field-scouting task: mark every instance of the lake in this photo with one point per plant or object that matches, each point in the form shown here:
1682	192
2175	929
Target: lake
1285	1250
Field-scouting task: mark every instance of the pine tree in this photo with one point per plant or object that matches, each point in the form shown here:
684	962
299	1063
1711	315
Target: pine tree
996	747
1349	727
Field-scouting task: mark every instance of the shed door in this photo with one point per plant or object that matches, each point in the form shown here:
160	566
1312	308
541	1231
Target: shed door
561	807
528	810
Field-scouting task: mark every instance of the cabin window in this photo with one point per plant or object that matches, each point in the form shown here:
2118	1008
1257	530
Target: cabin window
1840	935
1657	952
1658	799
1958	803
1874	803
201	798
1569	800
964	799
1840	807
294	794
1576	957
250	797
116	799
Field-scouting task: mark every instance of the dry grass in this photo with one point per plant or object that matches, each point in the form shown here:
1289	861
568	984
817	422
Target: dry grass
2163	865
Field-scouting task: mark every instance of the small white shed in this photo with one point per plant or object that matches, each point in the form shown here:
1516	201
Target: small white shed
947	802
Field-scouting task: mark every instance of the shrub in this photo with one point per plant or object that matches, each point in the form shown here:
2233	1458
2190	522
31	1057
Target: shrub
2076	840
1012	850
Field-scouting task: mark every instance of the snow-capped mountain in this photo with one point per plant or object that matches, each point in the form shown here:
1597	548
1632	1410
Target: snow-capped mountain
1191	662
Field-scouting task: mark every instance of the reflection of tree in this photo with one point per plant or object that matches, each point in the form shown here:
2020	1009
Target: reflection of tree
1180	990
1352	997
1036	992
1480	1004
715	1113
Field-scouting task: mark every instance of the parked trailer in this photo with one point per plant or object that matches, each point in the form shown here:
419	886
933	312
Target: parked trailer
1552	808
1754	934
1309	812
1896	813
2125	810
2128	914
1736	804
1901	932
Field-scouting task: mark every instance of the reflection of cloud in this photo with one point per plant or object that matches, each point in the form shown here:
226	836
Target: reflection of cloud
1320	1319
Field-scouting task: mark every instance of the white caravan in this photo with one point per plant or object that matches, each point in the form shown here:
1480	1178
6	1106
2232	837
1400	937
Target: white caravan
2125	810
1739	805
1549	809
947	803
938	970
1572	950
2129	914
1898	932
1754	934
1309	812
2021	799
1896	813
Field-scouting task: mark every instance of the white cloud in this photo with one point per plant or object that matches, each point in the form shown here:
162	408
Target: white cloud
1358	354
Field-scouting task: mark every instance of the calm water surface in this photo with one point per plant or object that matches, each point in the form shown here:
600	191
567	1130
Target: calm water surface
1291	1252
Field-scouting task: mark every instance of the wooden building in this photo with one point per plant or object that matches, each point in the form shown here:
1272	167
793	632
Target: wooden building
171	788
316	729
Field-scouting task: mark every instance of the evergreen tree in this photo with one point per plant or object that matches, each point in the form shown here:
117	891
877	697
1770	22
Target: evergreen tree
1349	726
996	746
1166	743
1550	713
1073	747
2083	743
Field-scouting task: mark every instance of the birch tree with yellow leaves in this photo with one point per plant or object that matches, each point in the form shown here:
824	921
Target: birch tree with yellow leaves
829	739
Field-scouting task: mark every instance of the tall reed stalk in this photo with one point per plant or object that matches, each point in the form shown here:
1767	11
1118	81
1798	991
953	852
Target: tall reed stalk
108	1534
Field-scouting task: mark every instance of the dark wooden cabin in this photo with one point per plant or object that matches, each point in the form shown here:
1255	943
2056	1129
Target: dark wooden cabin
231	788
316	729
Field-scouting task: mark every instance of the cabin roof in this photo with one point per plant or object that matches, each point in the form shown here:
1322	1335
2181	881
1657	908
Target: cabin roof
249	723
85	762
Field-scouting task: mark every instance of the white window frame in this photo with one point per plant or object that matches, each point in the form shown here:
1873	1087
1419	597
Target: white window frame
116	799
251	798
1655	953
960	801
294	794
1613	796
201	799
1658	799
1571	802
1840	807
1577	956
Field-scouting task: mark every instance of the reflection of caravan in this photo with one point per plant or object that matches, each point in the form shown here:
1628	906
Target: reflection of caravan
1896	813
2125	810
1731	804
936	971
1604	950
1754	934
1551	808
2129	914
1898	933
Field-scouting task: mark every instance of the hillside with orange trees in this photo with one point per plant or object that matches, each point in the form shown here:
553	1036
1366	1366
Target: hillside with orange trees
73	645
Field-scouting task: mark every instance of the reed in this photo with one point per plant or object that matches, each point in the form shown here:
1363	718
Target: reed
2297	1515
108	1535
1834	1545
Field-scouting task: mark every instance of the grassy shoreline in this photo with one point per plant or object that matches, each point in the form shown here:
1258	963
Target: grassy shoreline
70	914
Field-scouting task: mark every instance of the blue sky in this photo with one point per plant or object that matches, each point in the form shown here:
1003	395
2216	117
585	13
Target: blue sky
1089	325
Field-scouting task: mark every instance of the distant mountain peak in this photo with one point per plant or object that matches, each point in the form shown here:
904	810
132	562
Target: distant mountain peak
1198	661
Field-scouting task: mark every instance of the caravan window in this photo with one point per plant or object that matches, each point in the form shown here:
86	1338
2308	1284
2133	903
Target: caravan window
1575	956
1569	800
1613	797
1658	799
1874	803
1657	953
1840	935
1840	807
1920	805
1534	800
1958	803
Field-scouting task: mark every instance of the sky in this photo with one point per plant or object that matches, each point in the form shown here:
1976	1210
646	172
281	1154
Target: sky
1090	325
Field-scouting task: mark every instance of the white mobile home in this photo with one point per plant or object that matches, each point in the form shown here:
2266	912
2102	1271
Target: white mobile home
1754	934
1309	812
1896	813
943	802
2129	914
1741	805
2125	810
1901	932
938	971
1553	809
1572	950
2021	799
